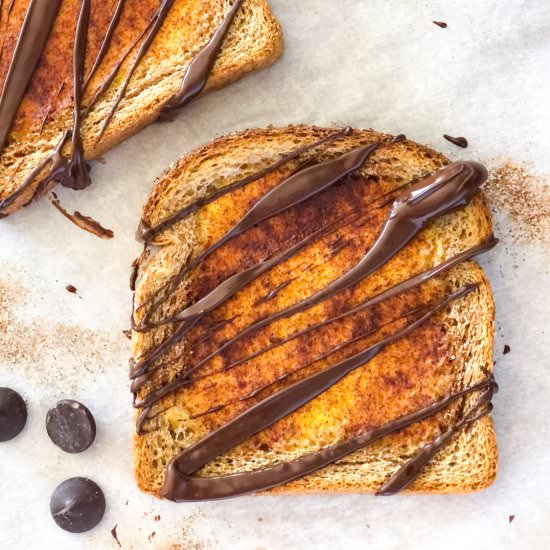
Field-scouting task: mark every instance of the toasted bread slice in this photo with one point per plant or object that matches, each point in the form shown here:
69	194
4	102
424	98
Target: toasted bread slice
254	40
449	352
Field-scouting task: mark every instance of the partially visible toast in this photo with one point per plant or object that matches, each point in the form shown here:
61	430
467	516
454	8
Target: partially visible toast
451	351
254	40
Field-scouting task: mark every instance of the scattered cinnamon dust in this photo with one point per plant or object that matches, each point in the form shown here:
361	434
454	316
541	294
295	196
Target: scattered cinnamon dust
44	349
524	197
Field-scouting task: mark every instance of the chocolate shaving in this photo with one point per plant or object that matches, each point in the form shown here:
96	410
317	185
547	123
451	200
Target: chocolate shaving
459	141
84	222
115	536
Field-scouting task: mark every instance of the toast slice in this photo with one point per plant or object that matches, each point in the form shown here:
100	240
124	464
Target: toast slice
136	54
450	351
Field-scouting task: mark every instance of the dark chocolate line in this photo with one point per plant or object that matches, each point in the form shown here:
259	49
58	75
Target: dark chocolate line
269	411
412	468
281	404
198	71
236	282
159	18
395	290
105	43
315	359
32	40
442	192
147	233
76	174
290	192
109	80
180	486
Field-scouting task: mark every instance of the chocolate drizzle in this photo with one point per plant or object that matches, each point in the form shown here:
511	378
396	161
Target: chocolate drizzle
73	172
199	69
290	192
411	208
30	44
181	485
148	234
444	191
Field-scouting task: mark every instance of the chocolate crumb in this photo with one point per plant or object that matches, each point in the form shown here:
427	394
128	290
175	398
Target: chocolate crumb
71	288
157	518
151	536
127	333
459	141
511	518
260	519
506	349
441	24
525	199
115	536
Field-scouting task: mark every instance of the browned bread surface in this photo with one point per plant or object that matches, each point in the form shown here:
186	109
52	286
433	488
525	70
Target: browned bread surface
254	41
450	351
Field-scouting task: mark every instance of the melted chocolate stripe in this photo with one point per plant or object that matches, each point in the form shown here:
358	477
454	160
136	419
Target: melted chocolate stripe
290	192
150	36
110	78
76	174
147	233
288	400
28	50
442	192
106	42
156	396
233	284
409	471
445	191
181	486
315	359
385	295
199	69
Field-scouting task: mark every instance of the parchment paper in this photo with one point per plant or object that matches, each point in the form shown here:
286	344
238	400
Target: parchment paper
368	63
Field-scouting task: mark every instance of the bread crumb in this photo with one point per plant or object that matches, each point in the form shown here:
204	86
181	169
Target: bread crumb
525	199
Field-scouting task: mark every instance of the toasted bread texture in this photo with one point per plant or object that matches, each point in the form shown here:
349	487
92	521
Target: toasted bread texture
254	40
447	353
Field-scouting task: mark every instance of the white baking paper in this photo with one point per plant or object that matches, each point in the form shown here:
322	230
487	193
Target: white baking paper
367	63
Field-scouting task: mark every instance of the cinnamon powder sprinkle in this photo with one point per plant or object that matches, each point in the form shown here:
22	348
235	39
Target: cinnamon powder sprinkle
524	197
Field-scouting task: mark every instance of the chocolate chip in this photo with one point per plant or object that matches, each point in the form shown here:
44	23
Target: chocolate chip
13	414
77	505
71	426
506	349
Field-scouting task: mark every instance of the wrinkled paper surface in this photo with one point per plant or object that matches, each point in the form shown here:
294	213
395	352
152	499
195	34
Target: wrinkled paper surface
367	63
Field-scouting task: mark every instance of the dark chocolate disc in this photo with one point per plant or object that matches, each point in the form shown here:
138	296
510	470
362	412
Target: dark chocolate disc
71	426
77	504
13	414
